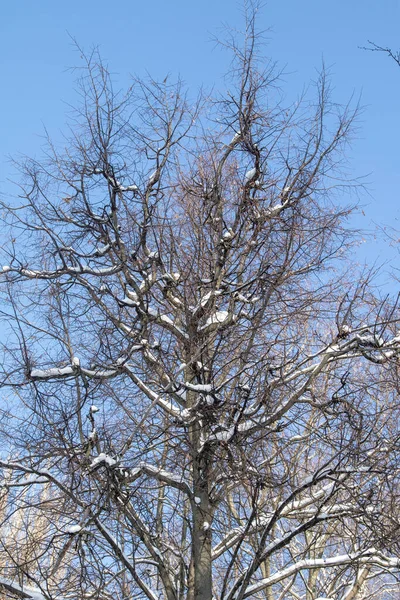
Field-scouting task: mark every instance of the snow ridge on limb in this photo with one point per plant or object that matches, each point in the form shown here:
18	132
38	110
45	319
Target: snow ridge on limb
366	557
23	591
75	370
70	270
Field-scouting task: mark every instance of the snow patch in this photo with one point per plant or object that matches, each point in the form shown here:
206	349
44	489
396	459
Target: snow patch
218	318
228	235
49	373
250	175
103	458
74	529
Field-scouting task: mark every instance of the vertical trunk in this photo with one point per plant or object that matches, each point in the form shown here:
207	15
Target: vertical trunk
201	523
200	576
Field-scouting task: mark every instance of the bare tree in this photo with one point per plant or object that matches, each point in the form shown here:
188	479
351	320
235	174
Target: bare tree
376	48
200	391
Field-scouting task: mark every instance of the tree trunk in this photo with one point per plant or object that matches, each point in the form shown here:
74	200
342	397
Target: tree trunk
202	544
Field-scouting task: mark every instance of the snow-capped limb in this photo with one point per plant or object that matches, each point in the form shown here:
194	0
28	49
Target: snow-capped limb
244	428
236	139
165	322
293	508
240	587
163	403
103	458
73	371
43	474
312	371
127	301
74	529
275	210
114	183
205	301
250	175
228	235
221	318
372	557
54	373
68	270
154	177
23	591
29	481
128	188
164	476
201	388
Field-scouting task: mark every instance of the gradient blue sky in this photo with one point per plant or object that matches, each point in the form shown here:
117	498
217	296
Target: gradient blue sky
176	37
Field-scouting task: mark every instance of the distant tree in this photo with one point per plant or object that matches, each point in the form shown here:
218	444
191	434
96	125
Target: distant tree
200	393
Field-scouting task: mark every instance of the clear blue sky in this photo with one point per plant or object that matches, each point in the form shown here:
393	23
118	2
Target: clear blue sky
174	37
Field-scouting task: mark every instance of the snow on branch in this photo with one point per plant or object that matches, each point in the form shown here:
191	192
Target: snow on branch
23	591
72	371
370	557
69	270
165	477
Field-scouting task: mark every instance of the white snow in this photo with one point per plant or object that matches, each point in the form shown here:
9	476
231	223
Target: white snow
6	268
274	210
370	340
205	299
153	178
332	349
48	373
199	387
197	500
24	591
241	298
75	361
218	318
103	458
166	320
130	301
101	250
132	295
228	235
74	529
236	138
250	175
